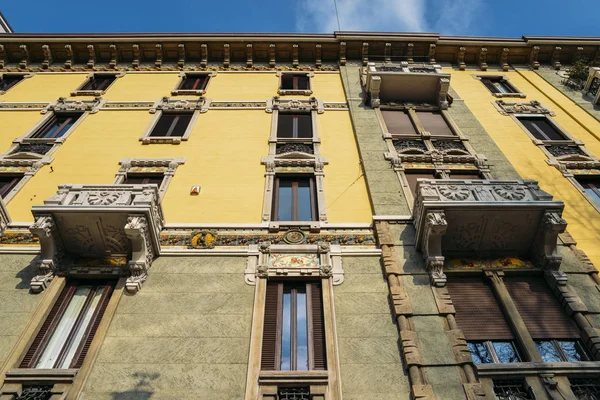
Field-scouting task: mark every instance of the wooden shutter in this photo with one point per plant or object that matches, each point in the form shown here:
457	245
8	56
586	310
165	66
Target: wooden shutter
539	309
42	337
270	344
398	123
90	332
435	123
319	361
412	177
478	314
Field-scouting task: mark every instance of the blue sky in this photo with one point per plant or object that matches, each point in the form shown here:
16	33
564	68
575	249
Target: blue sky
507	18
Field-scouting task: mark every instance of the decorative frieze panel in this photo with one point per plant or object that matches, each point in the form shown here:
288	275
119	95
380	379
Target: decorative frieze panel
180	105
295	105
531	107
271	260
493	219
64	105
95	222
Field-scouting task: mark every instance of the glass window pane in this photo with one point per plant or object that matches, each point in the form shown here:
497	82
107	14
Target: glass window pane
572	350
548	351
286	339
285	126
304	201
302	333
64	327
304	126
82	328
480	353
506	352
284	203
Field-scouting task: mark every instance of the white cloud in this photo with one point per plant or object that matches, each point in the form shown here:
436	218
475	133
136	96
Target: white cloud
454	16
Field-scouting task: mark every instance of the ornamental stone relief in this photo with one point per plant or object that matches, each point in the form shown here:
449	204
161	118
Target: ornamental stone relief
532	107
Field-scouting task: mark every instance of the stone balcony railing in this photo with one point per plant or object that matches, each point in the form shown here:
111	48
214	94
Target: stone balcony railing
481	218
406	82
95	223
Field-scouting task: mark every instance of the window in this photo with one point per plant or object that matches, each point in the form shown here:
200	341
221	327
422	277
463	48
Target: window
8	81
8	183
294	331
591	185
56	126
492	342
142	179
192	83
585	389
399	123
434	123
295	83
500	86
98	82
294	199
513	389
294	126
67	332
541	128
412	176
555	334
171	125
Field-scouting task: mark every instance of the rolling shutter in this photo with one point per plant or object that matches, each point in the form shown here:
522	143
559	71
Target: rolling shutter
398	123
412	177
539	309
435	123
478	314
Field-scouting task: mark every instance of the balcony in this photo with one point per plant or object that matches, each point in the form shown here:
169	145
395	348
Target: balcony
98	230
486	219
404	82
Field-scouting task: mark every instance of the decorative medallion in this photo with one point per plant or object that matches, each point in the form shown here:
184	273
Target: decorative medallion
294	237
510	192
454	192
204	240
103	198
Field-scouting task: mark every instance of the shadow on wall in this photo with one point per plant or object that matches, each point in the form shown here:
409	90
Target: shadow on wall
141	390
26	274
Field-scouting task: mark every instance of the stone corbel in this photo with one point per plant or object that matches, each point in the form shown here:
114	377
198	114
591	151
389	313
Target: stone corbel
483	59
2	56
68	56
181	53
460	58
142	253
342	53
434	230
272	55
262	269
410	49
504	59
432	53
51	251
47	56
226	56
24	56
545	252
365	53
374	89
533	57
318	61
91	56
444	85
135	63
387	53
556	58
578	54
249	61
159	56
252	264
295	57
203	55
113	56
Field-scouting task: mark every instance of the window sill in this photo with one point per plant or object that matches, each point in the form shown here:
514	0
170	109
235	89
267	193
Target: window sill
88	93
40	140
187	92
162	140
280	377
534	368
39	375
294	92
501	95
276	226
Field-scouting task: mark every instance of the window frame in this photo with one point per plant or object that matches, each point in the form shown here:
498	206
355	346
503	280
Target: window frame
595	203
177	91
80	91
568	139
22	75
503	79
13	186
166	106
295	128
290	92
314	206
165	166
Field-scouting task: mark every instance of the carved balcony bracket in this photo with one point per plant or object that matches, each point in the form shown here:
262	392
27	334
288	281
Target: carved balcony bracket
533	57
68	56
98	230
545	248
483	59
47	56
504	59
460	58
435	228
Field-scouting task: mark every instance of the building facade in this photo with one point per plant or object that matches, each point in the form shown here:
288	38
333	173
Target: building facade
295	217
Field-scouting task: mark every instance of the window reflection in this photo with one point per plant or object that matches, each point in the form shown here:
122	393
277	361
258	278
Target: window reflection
286	337
547	350
479	352
506	352
493	352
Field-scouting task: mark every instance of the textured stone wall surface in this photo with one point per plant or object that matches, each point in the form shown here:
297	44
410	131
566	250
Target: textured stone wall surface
185	335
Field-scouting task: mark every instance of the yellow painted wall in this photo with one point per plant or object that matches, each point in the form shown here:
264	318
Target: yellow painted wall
346	195
222	155
527	158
